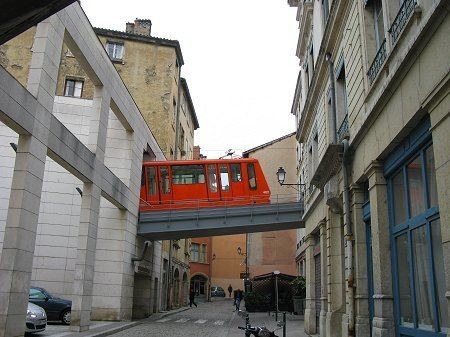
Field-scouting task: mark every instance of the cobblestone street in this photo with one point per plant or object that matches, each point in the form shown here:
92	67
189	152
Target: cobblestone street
214	319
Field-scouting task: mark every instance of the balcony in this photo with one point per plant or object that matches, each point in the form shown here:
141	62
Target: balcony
377	63
403	15
342	132
304	17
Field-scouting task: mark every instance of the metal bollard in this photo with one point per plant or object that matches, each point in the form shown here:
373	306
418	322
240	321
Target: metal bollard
247	325
284	324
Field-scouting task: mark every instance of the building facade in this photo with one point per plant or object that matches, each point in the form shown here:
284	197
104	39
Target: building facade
275	250
200	266
372	103
227	265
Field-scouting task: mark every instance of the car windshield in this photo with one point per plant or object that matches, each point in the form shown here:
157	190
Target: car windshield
219	288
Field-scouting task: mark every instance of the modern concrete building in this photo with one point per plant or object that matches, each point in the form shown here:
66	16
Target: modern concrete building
70	193
150	67
372	106
275	250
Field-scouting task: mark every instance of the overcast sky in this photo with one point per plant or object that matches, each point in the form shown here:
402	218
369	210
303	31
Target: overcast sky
239	57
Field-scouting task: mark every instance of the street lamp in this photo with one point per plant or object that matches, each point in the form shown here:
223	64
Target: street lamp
281	177
276	273
239	251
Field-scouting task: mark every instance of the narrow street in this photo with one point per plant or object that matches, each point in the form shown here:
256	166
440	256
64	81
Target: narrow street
213	319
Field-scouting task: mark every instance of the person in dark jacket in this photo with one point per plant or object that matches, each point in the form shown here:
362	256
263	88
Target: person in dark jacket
239	297
191	298
230	290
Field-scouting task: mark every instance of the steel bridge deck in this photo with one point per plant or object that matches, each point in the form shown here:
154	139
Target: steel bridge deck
177	224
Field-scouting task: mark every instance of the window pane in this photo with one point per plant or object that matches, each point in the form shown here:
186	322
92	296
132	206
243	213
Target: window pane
431	176
416	187
69	88
77	89
436	241
151	180
399	197
164	171
212	178
188	174
406	316
236	173
422	280
251	176
224	179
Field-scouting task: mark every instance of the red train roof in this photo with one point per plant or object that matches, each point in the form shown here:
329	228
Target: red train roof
200	161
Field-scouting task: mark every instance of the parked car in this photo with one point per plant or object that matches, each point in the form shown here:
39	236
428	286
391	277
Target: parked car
217	292
57	309
36	319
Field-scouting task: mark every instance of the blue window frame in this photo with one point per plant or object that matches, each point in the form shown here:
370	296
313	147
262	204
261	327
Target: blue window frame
416	244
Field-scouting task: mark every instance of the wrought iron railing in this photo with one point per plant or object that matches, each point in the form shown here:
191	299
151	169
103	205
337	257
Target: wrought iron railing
405	11
343	129
377	63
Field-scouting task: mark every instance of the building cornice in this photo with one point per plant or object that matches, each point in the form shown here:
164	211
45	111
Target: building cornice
191	105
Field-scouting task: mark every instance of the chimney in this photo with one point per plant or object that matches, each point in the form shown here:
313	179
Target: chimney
130	28
196	155
142	27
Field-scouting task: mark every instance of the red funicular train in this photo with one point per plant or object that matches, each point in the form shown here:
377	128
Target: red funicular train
202	183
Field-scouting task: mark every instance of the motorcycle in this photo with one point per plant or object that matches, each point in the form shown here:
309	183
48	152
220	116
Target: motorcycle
256	331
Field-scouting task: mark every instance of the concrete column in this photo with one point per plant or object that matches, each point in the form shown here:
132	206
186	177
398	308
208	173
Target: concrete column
21	223
324	277
362	328
336	283
383	321
310	310
440	124
20	234
84	266
90	209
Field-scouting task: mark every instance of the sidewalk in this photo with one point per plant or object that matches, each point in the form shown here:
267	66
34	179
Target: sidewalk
102	328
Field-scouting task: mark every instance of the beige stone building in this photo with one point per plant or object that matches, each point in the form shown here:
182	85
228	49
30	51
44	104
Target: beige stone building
275	250
372	106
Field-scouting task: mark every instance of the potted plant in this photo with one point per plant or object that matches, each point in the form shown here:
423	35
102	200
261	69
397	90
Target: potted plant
299	291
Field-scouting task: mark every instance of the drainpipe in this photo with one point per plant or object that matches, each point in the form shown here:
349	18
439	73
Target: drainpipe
349	238
333	99
141	257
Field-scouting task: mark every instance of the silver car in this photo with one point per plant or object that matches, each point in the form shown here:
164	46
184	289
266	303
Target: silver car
36	318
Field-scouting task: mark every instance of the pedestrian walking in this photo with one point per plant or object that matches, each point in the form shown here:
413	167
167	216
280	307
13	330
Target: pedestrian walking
239	297
192	298
234	297
230	290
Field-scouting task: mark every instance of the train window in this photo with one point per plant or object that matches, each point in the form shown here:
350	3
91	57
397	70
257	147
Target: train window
188	174
225	181
151	180
236	175
212	178
251	176
165	181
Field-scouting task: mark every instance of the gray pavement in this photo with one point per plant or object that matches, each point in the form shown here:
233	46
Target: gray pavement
213	319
